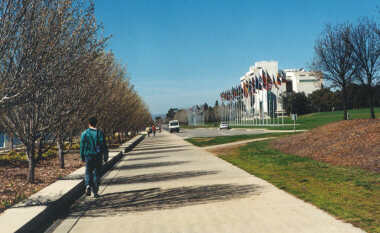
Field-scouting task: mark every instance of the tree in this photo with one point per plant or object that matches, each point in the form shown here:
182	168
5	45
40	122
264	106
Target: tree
335	58
40	67
364	40
322	100
181	116
217	111
296	103
171	113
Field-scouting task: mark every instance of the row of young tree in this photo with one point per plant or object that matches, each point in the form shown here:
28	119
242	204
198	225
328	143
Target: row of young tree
210	114
349	54
55	74
325	100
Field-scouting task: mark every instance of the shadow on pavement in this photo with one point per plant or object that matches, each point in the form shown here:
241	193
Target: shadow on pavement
158	148
154	152
156	198
146	158
149	165
156	177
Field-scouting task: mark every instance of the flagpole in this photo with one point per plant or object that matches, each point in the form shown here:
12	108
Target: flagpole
262	103
278	119
238	107
266	99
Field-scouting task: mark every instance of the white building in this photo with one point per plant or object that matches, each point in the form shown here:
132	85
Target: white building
299	80
267	103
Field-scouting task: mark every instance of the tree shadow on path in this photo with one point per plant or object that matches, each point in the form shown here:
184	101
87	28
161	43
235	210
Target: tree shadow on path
156	177
163	147
134	153
146	158
149	165
151	199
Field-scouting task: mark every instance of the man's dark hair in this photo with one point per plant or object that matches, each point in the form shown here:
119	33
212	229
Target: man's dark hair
93	121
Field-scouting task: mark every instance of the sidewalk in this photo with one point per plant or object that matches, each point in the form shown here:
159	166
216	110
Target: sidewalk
167	185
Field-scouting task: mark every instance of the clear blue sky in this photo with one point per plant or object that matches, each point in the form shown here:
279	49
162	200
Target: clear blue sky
179	53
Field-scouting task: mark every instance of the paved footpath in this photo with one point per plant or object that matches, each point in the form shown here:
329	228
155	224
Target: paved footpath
167	185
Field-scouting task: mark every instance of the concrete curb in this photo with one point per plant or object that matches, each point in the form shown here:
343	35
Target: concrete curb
37	212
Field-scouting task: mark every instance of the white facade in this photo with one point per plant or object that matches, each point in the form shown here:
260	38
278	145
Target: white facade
258	105
304	81
265	103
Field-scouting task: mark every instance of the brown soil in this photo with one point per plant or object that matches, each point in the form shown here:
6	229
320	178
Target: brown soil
224	150
14	186
203	139
346	143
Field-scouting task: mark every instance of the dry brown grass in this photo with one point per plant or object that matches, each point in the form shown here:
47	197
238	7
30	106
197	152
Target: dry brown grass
346	143
225	150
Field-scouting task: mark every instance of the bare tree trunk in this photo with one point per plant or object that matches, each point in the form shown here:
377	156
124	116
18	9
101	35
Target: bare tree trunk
61	154
40	144
11	145
371	101
344	95
31	162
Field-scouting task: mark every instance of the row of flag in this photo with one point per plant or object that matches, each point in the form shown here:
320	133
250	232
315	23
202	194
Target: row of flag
256	82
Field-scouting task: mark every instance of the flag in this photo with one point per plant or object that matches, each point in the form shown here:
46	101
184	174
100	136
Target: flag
275	81
278	79
265	79
269	82
261	82
249	87
246	89
283	76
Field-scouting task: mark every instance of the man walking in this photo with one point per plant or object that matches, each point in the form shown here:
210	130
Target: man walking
93	149
154	130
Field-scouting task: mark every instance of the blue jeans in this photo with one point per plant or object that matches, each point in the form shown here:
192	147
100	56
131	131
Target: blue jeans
92	178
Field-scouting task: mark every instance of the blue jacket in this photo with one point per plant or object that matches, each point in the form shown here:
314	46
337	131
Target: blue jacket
89	140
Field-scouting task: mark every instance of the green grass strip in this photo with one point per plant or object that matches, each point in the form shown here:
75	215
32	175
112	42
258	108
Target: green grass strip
348	193
211	141
313	120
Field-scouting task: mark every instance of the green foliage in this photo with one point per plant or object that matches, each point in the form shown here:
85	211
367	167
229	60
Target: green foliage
171	113
14	156
323	100
75	146
350	194
296	103
49	153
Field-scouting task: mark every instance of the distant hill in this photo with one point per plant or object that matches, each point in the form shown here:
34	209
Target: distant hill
353	143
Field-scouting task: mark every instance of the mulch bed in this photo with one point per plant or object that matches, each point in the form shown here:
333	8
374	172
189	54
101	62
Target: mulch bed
346	143
13	178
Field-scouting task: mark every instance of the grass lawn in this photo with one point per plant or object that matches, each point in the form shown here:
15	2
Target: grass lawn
348	193
211	141
313	120
308	121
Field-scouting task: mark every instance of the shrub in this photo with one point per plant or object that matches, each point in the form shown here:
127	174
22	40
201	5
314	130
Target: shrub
49	153
14	156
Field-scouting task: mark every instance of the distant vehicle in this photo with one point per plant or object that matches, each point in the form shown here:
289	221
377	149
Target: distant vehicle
224	125
173	126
